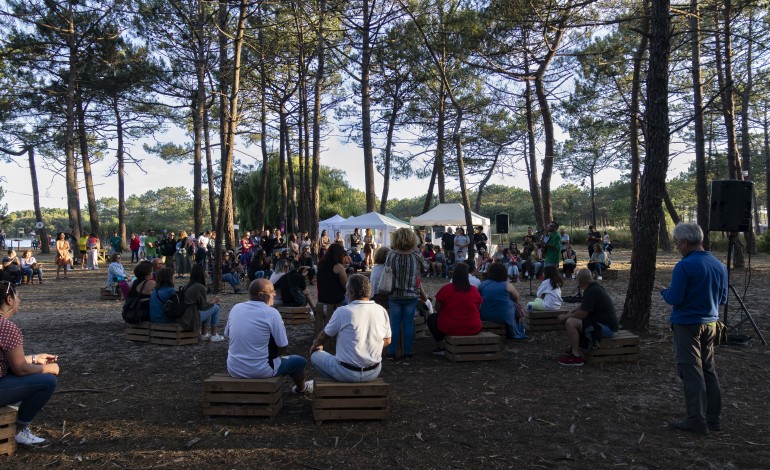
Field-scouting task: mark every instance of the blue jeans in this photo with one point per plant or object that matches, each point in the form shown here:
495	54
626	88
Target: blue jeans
210	315
401	316
328	367
291	366
598	267
231	278
33	391
513	270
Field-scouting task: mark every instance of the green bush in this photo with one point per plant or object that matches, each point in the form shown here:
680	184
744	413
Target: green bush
763	243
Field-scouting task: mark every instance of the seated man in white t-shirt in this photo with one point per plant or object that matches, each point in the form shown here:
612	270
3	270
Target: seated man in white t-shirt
258	340
362	329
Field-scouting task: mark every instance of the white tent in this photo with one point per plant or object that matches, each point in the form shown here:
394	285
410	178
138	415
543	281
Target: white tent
331	225
452	215
380	224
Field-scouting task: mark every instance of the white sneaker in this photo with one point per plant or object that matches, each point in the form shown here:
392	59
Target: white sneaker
598	278
573	276
217	338
26	438
205	337
308	388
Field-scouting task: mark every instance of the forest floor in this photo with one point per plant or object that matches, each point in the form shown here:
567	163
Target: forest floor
122	404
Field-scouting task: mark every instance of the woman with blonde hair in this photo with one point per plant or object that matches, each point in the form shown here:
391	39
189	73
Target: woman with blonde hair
63	257
406	261
369	247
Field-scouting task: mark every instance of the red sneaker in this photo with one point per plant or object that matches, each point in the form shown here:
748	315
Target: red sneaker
571	361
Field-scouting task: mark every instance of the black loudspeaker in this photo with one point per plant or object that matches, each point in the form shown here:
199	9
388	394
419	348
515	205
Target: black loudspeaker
730	207
501	223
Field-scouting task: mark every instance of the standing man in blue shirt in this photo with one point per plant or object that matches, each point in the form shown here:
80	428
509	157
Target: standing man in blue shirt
698	288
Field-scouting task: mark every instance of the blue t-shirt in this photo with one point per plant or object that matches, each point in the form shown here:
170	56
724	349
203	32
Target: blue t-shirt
698	288
158	299
498	305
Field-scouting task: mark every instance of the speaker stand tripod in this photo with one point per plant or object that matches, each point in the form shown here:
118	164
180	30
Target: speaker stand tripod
746	316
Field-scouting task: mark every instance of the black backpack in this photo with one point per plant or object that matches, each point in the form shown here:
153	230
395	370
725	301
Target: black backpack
132	310
175	305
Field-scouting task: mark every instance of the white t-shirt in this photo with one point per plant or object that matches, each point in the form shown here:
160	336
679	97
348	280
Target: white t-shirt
249	327
475	282
552	299
141	239
564	239
374	278
275	276
360	328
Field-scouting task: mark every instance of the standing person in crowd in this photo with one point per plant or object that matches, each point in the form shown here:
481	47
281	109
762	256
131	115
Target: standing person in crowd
338	240
380	255
549	292
168	248
406	262
592	239
73	244
362	329
93	246
151	245
457	307
182	256
29	380
599	261
29	265
564	239
116	243
587	324
201	311
552	246
246	248
142	253
355	239
305	241
461	245
332	277
606	244
698	287
251	326
480	239
448	241
500	301
63	256
369	247
325	242
83	249
133	244
569	261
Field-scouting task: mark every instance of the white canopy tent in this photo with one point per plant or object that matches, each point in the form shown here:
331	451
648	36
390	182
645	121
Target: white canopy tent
451	215
380	224
331	225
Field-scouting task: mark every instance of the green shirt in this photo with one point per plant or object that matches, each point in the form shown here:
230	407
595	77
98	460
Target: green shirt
150	245
553	249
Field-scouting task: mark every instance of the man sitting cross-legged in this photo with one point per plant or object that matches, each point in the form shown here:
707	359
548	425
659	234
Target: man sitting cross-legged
362	329
587	324
258	340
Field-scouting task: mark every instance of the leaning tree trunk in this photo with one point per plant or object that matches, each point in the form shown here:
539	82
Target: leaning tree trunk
636	88
664	241
210	171
636	309
44	246
670	208
93	214
318	92
389	155
366	109
73	197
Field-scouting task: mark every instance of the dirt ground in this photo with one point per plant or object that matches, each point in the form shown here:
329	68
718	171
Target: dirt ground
121	404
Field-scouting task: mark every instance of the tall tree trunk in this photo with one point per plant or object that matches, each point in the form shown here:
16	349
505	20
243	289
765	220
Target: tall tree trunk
534	188
225	220
429	195
93	214
745	96
121	171
42	232
663	238
636	88
210	171
670	207
593	200
263	125
198	110
282	137
73	198
636	309
317	95
766	128
388	156
440	139
366	108
292	190
701	189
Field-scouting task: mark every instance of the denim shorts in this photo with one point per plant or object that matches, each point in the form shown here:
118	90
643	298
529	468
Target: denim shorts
291	365
605	330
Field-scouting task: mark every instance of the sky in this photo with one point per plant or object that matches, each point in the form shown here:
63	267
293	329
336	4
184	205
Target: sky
15	177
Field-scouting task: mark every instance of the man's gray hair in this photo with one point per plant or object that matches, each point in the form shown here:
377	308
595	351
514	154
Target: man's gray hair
358	286
691	233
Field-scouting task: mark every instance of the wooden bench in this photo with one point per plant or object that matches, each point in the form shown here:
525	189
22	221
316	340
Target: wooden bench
296	315
109	294
138	331
338	400
228	396
623	347
545	320
7	430
495	328
171	334
484	346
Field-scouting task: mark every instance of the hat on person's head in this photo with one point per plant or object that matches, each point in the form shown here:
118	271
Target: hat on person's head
354	248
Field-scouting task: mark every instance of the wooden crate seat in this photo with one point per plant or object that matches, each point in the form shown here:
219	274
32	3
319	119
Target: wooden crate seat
138	331
420	327
338	400
483	346
545	320
623	347
7	430
171	334
495	328
228	396
296	315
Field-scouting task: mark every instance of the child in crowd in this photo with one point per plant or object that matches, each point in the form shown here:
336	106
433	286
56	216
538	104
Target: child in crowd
549	292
